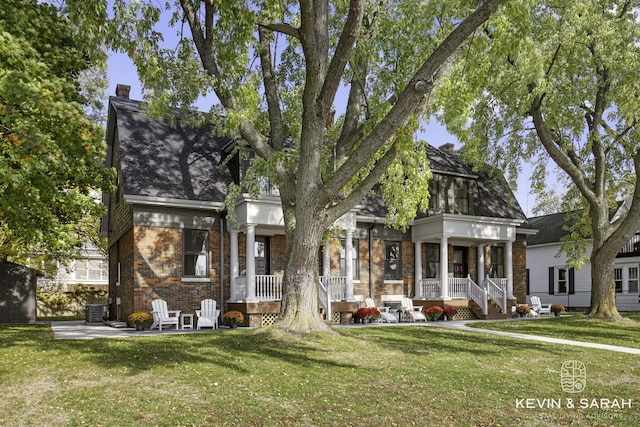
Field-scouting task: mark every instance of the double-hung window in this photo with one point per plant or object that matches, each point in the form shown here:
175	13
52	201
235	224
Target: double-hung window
354	256
392	261
195	253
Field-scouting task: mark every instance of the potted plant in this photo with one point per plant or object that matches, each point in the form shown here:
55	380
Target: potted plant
523	310
434	312
232	319
557	309
373	314
450	311
139	319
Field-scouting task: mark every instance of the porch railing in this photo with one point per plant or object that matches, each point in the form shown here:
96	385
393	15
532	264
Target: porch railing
497	293
324	291
338	286
430	288
479	295
458	287
269	287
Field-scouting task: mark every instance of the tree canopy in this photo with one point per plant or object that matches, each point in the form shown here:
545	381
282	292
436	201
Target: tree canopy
561	81
281	72
52	151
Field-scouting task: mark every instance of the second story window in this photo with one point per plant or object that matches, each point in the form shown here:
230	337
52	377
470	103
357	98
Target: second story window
434	188
462	198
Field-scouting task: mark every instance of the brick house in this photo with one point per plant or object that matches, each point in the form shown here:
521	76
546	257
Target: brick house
169	236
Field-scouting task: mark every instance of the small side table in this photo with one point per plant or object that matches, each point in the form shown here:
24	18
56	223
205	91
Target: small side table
184	317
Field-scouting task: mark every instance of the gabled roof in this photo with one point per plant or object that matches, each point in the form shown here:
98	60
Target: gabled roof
165	160
550	229
168	160
492	195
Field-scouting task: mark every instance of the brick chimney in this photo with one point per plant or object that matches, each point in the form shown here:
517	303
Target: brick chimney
447	148
122	91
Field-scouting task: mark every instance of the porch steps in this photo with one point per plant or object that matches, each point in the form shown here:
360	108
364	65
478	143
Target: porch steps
494	312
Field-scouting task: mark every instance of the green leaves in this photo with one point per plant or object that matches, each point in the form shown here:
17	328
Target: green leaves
51	151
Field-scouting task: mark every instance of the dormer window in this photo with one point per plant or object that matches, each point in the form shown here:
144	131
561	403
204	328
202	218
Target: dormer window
434	190
462	198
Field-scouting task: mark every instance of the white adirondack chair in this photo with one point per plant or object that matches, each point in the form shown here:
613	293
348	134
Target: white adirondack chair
162	316
540	308
415	312
384	311
207	316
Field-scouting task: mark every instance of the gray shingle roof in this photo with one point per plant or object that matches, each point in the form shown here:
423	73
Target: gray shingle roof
550	229
492	195
161	159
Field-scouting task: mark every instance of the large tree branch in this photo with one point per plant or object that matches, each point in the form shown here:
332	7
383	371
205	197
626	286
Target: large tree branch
625	226
360	192
350	132
417	88
281	28
340	58
271	91
563	161
205	49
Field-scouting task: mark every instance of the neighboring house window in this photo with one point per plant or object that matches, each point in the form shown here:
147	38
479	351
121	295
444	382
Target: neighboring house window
196	254
618	278
433	261
497	262
392	261
633	279
434	188
462	198
91	270
562	281
354	256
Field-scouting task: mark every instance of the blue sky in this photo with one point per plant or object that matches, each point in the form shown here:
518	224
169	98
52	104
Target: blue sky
121	70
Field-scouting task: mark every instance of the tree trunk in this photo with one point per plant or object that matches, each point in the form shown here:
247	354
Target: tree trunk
603	288
299	312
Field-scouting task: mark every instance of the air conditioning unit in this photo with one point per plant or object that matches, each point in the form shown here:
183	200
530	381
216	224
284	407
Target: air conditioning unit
95	313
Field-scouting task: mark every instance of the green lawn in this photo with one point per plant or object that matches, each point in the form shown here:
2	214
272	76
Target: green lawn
576	327
359	376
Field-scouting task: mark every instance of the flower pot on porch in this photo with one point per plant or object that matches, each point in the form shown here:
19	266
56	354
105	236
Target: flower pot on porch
140	327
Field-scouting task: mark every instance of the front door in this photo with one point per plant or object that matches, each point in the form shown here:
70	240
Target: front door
261	254
460	268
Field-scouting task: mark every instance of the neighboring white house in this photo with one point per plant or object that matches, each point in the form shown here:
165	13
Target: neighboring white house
90	271
549	277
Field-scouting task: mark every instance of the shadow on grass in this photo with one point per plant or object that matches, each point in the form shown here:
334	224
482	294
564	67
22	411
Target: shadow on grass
239	350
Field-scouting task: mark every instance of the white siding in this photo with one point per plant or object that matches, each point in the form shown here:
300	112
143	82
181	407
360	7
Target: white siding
541	257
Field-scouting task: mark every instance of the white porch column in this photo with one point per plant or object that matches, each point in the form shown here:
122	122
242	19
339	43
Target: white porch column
509	267
251	263
481	265
326	259
418	264
444	268
235	269
348	263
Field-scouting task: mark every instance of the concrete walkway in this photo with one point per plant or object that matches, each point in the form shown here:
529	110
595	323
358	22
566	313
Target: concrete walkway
81	330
